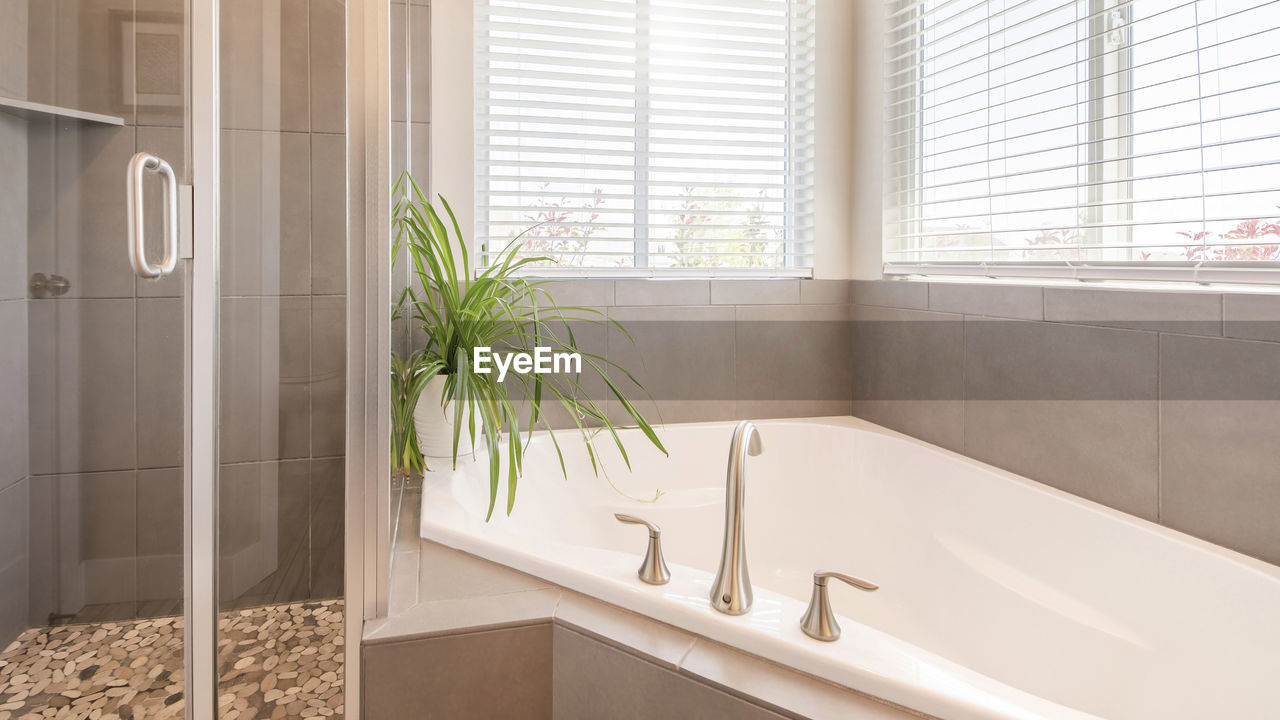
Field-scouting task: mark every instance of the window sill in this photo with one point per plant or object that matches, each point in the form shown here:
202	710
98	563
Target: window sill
1170	277
662	274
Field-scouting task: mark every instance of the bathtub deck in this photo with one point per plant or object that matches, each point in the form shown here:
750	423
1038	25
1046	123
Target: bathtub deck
437	592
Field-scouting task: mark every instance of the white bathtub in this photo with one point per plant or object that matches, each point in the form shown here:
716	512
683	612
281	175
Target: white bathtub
1000	597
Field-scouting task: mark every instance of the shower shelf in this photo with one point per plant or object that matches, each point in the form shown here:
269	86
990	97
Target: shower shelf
32	111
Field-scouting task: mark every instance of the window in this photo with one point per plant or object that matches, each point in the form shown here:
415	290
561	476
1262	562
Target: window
646	136
1084	138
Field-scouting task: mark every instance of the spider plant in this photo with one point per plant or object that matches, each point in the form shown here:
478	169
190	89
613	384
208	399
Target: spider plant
499	307
406	388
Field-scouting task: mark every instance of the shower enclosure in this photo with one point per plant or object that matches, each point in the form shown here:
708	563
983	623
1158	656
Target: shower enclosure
173	269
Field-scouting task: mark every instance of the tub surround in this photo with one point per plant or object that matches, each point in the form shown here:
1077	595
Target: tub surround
1130	398
1159	403
1037	580
721	349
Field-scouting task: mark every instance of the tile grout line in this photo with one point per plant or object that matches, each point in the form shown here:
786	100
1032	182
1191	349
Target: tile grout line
1160	419
684	656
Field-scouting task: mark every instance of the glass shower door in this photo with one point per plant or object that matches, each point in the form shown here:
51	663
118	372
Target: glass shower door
172	304
281	362
96	315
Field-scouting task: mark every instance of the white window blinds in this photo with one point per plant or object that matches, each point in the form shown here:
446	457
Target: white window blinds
1083	137
646	136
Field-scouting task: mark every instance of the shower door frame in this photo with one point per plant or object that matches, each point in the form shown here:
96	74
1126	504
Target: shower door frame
200	471
368	314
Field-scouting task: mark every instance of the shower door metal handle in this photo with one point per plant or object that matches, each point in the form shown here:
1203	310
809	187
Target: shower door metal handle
140	164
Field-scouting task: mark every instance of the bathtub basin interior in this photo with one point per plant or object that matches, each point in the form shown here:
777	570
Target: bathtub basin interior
999	597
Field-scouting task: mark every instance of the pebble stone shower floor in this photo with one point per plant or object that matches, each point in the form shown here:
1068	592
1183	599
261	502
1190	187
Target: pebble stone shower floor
275	662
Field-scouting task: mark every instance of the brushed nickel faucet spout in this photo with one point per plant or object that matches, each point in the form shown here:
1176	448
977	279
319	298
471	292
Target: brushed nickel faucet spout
731	591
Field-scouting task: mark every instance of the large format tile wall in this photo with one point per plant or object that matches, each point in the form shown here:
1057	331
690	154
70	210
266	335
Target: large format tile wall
1160	404
14	481
105	359
718	349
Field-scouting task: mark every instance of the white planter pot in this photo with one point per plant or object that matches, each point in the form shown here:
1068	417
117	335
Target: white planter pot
435	423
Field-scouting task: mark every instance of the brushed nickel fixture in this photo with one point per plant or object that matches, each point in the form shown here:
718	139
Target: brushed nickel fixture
48	286
731	591
654	568
819	622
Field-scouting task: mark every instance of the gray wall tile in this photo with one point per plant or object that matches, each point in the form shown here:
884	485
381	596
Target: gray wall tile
1010	360
265	374
1006	301
77	211
455	676
1184	312
1077	408
1217	442
581	293
41	540
777	291
793	359
420	149
266	213
14	524
82	385
662	292
13	392
328	66
160	393
1070	406
1103	451
295	377
682	357
328	375
594	680
327	523
14	49
826	292
267	85
419	63
904	294
1252	317
160	517
13	202
400	69
95	521
908	372
328	213
263	532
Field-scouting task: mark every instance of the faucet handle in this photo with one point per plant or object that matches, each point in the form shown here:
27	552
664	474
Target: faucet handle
819	622
654	568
